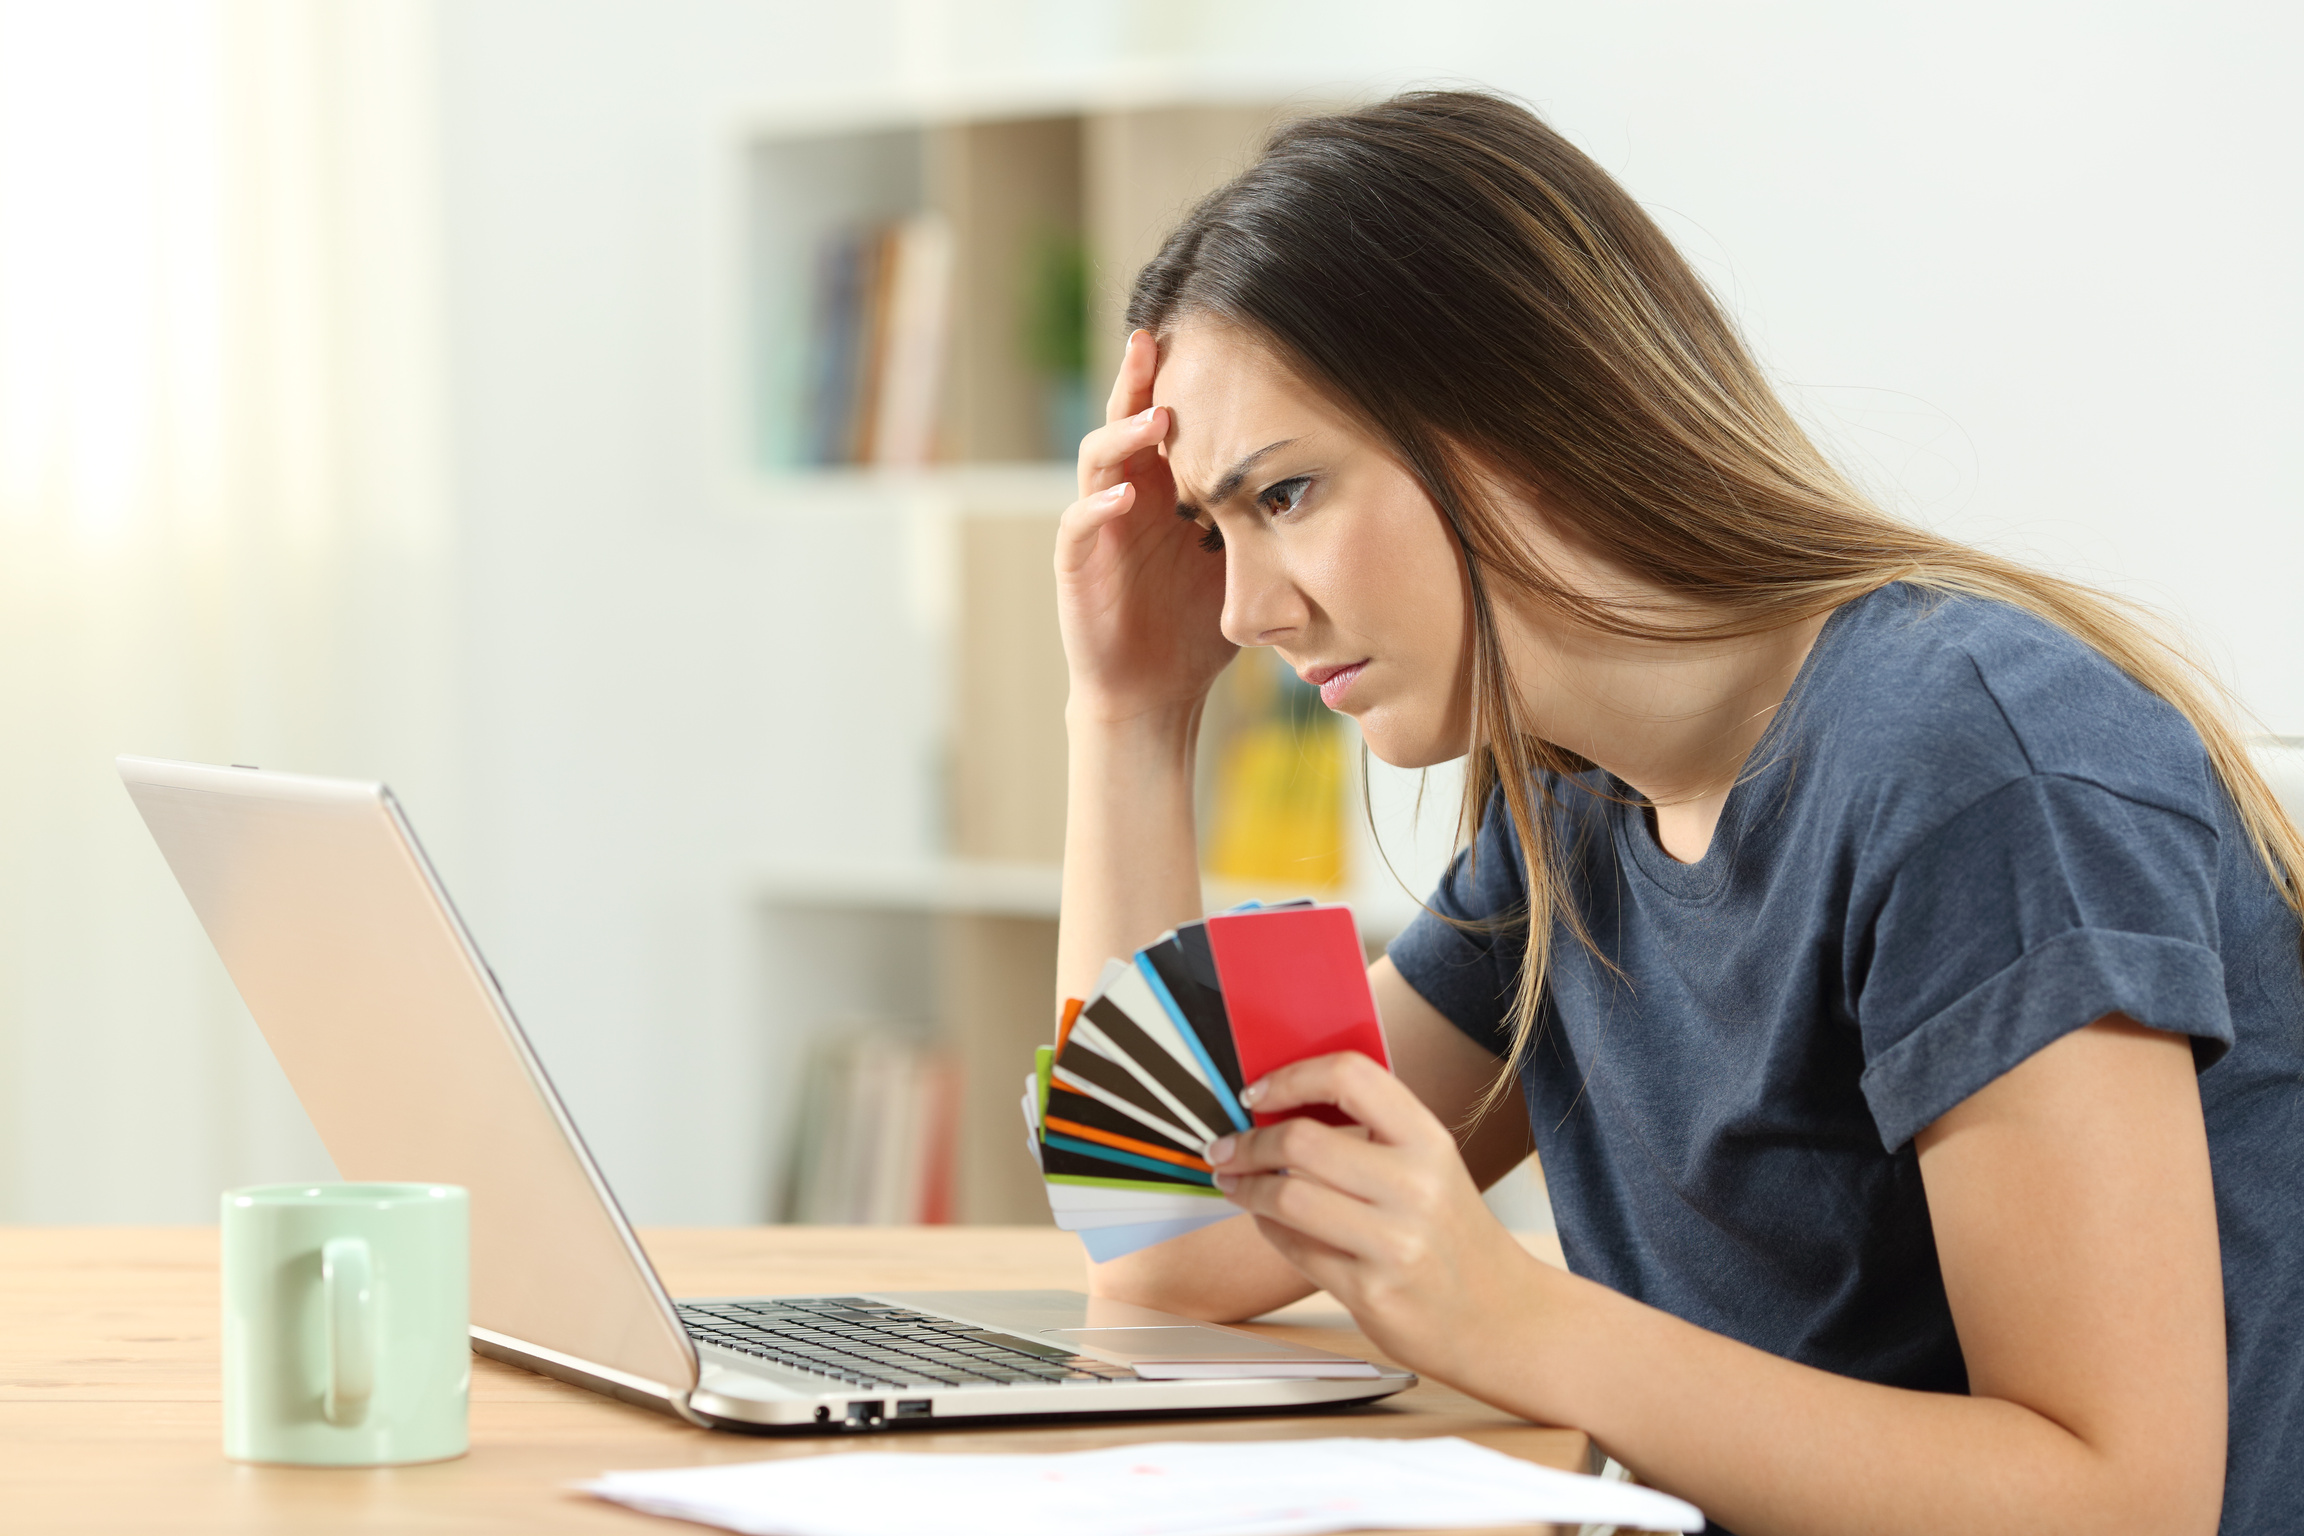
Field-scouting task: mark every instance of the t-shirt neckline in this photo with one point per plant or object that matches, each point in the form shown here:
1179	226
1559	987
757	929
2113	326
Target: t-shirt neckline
1709	875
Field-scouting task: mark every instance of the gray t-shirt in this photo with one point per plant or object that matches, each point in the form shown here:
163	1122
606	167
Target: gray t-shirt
1965	835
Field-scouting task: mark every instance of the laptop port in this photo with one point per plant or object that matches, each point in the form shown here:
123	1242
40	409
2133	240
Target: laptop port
864	1415
914	1408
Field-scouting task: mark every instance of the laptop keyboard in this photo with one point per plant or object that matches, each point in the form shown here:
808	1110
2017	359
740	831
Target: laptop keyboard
865	1343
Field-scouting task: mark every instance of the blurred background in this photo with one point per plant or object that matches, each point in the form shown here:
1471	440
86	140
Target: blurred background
634	430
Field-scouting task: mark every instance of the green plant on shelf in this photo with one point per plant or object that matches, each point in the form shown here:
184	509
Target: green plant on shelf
1055	336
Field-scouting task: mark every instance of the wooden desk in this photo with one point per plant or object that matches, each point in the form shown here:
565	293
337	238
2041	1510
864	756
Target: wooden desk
109	1419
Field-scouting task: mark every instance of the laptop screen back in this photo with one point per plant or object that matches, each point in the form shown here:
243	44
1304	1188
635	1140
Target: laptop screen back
403	1051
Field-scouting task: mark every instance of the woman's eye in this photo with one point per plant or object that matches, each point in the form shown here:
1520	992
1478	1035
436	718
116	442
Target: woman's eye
1211	540
1283	498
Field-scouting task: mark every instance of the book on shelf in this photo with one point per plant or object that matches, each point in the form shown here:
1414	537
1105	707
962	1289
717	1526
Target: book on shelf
882	310
877	1135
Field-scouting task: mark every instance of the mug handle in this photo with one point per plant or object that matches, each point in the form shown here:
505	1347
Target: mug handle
347	1295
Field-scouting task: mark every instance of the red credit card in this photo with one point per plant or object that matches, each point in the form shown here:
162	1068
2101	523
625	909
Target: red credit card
1295	985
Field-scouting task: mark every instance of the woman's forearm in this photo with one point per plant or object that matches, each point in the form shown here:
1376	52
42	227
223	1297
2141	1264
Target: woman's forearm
1767	1446
1131	859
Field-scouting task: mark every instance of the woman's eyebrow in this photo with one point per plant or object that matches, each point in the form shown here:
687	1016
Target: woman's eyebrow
1231	480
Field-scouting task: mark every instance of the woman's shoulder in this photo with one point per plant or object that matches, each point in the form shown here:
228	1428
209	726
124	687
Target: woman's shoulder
1943	698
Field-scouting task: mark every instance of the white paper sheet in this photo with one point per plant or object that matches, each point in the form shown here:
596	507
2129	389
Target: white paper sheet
1235	1488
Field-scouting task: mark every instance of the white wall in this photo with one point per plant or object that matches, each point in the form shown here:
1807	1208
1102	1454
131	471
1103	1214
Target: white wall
659	697
224	535
2035	259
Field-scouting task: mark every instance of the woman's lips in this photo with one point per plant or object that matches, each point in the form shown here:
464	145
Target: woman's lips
1334	682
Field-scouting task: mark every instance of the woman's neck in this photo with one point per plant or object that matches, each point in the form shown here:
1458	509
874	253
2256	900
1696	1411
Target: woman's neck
1675	720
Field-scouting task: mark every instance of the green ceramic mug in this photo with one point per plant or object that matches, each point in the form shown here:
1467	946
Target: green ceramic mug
346	1309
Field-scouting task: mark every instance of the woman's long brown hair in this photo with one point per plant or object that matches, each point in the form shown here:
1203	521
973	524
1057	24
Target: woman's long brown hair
1482	295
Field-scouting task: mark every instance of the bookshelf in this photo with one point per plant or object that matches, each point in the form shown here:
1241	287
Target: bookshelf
1036	219
1039	219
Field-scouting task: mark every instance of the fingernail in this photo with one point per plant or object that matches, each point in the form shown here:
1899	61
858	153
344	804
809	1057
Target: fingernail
1221	1149
1250	1094
1111	493
1148	413
1227	1183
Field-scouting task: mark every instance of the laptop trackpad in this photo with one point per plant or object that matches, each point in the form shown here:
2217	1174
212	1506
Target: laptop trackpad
1177	1343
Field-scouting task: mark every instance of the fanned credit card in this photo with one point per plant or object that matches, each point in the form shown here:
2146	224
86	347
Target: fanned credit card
1147	1069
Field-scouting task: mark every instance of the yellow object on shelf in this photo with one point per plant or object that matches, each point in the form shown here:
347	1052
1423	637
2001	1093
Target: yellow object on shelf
1277	797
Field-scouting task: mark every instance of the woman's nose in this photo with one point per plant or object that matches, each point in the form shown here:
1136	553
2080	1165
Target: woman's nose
1261	604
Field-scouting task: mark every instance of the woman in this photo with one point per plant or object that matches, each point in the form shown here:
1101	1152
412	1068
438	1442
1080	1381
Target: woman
1890	951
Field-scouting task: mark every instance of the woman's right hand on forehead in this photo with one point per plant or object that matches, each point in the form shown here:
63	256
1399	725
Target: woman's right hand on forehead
1138	598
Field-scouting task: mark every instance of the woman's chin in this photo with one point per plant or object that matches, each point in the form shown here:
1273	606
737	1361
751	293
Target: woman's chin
1396	747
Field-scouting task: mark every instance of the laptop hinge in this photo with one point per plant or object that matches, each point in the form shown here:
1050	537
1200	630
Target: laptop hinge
584	1373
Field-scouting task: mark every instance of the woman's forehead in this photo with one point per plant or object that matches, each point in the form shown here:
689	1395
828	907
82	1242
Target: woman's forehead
1228	397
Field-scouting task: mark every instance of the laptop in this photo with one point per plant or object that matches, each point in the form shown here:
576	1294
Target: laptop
403	1050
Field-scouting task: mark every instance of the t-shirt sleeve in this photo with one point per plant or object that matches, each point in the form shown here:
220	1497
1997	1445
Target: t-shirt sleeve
1470	974
2033	913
